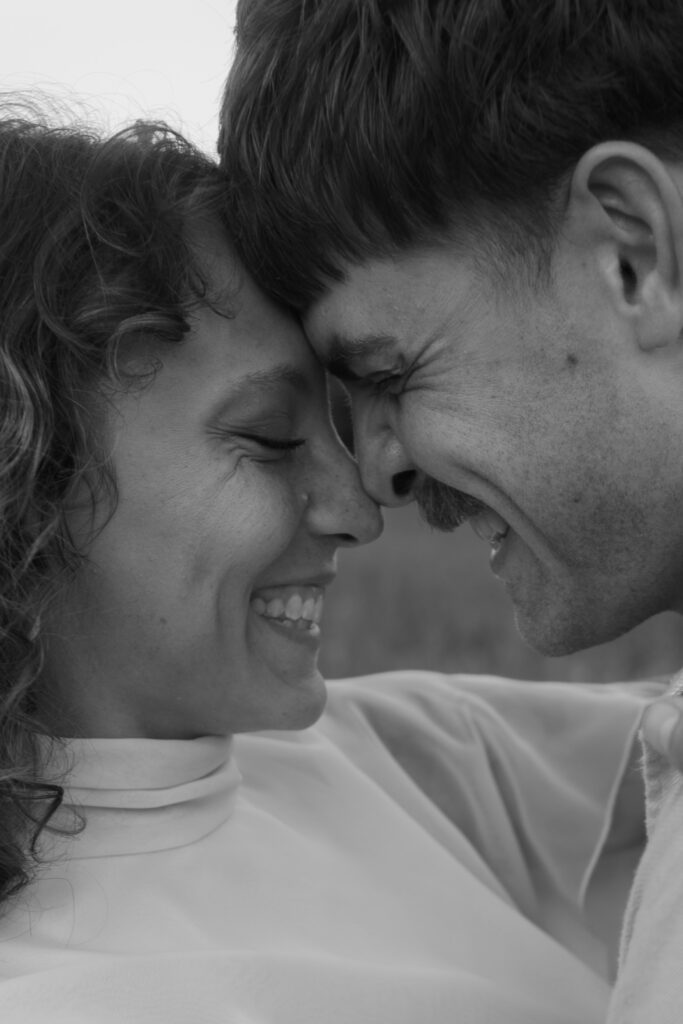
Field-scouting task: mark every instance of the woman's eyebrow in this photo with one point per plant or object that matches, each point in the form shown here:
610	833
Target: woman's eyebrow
265	381
275	376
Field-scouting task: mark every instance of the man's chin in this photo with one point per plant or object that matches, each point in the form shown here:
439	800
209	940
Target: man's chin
556	635
559	617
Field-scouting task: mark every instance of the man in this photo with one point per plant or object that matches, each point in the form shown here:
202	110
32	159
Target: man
477	208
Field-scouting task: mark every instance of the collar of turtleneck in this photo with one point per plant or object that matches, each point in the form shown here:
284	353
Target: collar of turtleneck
139	795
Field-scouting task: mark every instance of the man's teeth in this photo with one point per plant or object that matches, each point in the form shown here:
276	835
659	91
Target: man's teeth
299	607
490	527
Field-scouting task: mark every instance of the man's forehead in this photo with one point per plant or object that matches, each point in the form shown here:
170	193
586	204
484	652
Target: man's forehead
393	306
349	323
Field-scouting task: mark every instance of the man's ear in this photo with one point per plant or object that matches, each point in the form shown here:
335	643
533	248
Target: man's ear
624	205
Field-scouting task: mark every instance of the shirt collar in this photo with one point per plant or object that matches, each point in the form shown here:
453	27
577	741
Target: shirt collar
139	795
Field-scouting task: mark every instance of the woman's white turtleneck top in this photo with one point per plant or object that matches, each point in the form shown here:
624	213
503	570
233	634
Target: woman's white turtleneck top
429	852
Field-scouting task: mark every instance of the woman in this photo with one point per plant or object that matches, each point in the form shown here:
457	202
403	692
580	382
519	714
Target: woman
173	496
204	480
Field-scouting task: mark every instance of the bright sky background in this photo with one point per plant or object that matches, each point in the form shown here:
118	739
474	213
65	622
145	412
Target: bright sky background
125	59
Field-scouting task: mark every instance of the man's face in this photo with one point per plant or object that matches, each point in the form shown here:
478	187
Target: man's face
537	402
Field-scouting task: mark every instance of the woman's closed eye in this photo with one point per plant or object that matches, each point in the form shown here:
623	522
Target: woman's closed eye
261	445
277	444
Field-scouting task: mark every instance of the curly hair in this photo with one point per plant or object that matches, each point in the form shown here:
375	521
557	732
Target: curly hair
94	252
355	128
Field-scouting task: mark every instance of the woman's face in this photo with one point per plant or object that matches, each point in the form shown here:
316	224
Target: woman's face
197	611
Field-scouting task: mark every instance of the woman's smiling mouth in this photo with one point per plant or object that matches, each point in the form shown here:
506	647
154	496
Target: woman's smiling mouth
296	608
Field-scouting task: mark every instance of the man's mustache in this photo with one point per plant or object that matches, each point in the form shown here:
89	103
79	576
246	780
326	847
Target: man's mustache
444	507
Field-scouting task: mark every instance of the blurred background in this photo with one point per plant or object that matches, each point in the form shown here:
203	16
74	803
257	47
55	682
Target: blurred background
113	63
422	599
416	598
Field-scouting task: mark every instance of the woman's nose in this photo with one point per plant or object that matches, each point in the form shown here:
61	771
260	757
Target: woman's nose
339	506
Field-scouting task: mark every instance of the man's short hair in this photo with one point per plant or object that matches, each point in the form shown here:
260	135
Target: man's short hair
355	128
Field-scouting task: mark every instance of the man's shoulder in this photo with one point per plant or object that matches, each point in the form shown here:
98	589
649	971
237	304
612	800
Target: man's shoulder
407	699
420	695
433	723
427	716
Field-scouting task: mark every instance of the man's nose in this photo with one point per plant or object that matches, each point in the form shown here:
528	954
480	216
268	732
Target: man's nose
386	469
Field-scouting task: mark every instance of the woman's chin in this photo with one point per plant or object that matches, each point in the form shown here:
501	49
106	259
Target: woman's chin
303	701
292	692
279	696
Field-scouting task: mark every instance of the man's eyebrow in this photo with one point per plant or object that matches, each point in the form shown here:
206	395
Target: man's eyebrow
342	351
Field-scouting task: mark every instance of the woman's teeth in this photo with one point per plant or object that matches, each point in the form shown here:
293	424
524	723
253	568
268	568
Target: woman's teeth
297	607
